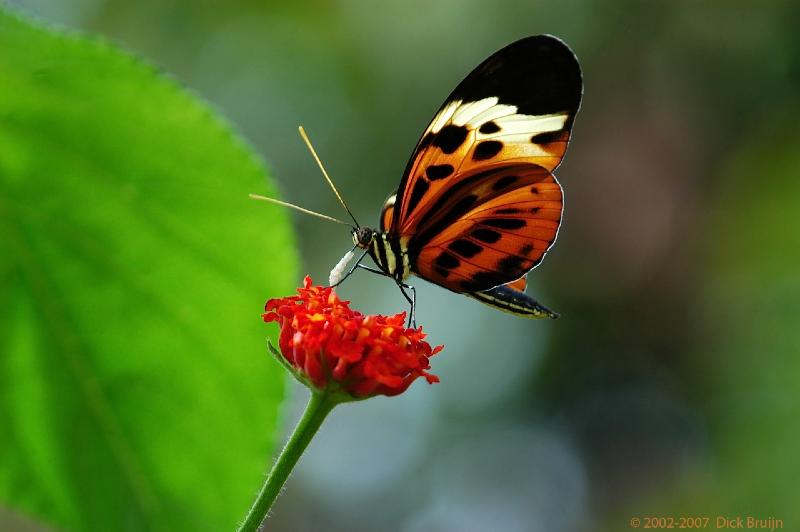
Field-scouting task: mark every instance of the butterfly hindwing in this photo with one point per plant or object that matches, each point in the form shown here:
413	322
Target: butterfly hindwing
518	285
491	230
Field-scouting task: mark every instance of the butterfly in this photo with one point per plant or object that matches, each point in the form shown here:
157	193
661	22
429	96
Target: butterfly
478	206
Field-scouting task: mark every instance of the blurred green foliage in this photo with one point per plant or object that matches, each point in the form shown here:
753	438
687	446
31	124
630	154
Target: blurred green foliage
751	347
744	367
136	392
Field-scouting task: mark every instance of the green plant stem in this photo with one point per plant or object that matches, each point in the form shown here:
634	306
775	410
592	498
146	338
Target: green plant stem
319	405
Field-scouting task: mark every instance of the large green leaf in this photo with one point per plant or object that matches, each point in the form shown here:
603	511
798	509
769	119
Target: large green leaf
135	388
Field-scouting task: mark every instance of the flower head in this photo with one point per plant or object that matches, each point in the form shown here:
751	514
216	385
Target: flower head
329	346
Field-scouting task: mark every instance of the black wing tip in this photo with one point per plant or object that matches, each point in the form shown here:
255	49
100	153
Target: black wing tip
539	74
544	43
542	38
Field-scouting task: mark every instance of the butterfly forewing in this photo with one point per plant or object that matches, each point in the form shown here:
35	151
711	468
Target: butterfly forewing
480	176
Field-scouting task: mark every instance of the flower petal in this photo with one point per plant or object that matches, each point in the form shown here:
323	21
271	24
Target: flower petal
330	345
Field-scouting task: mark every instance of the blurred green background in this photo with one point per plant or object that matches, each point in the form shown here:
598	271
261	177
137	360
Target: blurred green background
669	385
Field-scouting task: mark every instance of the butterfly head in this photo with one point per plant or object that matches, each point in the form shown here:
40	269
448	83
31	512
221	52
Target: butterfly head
363	237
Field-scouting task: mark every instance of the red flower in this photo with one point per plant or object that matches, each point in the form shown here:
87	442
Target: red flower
330	347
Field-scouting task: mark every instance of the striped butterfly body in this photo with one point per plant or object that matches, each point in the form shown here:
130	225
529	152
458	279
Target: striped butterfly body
478	205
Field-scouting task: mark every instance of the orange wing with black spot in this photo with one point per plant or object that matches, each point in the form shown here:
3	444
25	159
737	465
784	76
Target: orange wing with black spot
478	205
491	229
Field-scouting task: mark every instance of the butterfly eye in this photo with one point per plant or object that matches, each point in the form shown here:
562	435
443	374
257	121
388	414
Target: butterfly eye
362	237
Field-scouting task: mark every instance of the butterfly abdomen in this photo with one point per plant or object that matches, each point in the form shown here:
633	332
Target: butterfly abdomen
513	301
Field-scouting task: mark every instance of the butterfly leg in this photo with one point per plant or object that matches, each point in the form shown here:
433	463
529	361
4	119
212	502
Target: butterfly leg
371	269
412	319
412	300
363	267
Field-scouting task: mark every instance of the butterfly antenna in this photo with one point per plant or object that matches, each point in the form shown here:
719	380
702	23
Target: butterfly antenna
327	177
293	206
